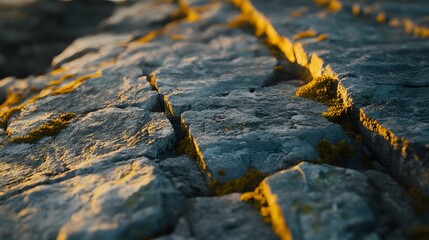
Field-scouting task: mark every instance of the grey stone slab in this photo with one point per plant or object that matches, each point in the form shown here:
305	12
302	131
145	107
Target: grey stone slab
99	138
415	10
186	175
117	87
269	130
325	202
126	200
382	73
225	217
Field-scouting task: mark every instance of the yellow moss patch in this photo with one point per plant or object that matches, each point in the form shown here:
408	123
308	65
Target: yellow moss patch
331	5
76	83
57	71
277	218
257	199
148	37
248	182
322	37
386	134
186	146
321	89
12	99
61	79
380	18
355	9
178	37
50	128
305	34
334	153
187	12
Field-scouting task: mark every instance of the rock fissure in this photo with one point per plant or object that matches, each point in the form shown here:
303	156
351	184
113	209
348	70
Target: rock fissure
191	111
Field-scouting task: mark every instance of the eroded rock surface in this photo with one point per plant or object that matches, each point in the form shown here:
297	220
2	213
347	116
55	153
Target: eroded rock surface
224	217
131	199
325	202
138	124
384	77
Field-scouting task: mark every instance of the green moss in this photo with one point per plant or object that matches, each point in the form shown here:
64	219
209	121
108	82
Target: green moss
248	182
50	128
303	207
334	153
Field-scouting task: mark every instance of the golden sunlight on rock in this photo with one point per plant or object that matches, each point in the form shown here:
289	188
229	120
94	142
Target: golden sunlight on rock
201	119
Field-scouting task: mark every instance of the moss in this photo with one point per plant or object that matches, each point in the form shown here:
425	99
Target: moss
76	83
322	37
50	128
334	153
331	5
248	182
322	89
303	207
305	34
186	146
258	200
373	126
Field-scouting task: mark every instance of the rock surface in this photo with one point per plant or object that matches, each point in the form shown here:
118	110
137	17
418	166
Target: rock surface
131	199
224	217
324	202
186	175
385	78
141	122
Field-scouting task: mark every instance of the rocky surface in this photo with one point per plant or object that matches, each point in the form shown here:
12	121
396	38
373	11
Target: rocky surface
224	217
390	109
324	202
130	199
141	122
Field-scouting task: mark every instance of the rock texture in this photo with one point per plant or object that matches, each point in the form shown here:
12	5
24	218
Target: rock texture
385	78
324	202
131	199
139	124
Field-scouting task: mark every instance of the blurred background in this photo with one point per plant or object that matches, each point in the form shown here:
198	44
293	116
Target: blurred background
32	32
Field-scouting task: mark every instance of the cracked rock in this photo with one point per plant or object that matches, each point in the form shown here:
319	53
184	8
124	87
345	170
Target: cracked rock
186	175
224	217
131	199
312	201
101	137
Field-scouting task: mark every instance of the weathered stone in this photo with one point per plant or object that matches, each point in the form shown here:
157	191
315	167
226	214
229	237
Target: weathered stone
390	11
128	200
235	122
101	137
116	88
85	182
324	202
268	130
225	217
385	79
186	176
